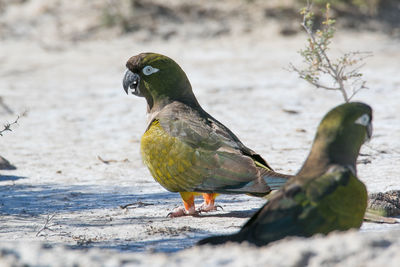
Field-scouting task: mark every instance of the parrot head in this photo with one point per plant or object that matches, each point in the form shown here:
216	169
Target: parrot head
158	78
343	130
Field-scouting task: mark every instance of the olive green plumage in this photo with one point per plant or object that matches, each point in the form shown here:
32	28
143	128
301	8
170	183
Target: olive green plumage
185	153
185	148
326	194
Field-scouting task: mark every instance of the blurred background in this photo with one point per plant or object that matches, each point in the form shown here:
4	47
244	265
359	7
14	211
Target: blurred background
52	22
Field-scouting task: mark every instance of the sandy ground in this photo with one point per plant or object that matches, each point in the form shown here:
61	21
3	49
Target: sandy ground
61	206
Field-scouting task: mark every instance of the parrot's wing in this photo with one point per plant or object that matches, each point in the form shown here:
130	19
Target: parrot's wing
277	219
303	207
340	197
199	129
220	164
324	185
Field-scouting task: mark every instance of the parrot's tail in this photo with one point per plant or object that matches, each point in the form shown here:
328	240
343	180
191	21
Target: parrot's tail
275	180
218	240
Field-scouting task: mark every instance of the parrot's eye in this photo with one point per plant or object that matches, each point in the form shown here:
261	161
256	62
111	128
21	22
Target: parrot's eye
363	120
149	70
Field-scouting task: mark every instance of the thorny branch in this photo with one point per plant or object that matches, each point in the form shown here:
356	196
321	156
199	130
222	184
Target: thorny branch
46	224
344	72
7	126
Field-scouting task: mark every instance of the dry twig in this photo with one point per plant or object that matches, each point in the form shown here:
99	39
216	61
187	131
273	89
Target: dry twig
343	72
46	224
7	126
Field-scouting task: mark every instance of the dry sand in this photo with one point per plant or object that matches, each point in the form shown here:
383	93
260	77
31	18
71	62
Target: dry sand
61	206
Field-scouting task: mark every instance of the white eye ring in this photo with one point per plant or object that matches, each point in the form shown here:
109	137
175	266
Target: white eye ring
149	70
363	120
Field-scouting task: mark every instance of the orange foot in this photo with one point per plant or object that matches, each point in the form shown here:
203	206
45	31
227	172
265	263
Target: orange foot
209	203
189	209
182	211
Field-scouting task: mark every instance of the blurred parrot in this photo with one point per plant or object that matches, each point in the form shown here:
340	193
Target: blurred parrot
326	194
185	148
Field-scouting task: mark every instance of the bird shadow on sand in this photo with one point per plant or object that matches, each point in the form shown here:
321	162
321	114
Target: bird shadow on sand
44	199
31	208
4	178
36	200
163	244
231	214
182	238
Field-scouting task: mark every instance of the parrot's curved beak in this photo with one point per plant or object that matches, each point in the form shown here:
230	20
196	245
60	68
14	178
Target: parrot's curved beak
131	81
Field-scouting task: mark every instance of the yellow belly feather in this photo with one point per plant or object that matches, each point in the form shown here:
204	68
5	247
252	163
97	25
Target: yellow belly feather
169	160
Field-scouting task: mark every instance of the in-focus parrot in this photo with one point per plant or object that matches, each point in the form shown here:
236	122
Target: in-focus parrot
326	194
184	147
